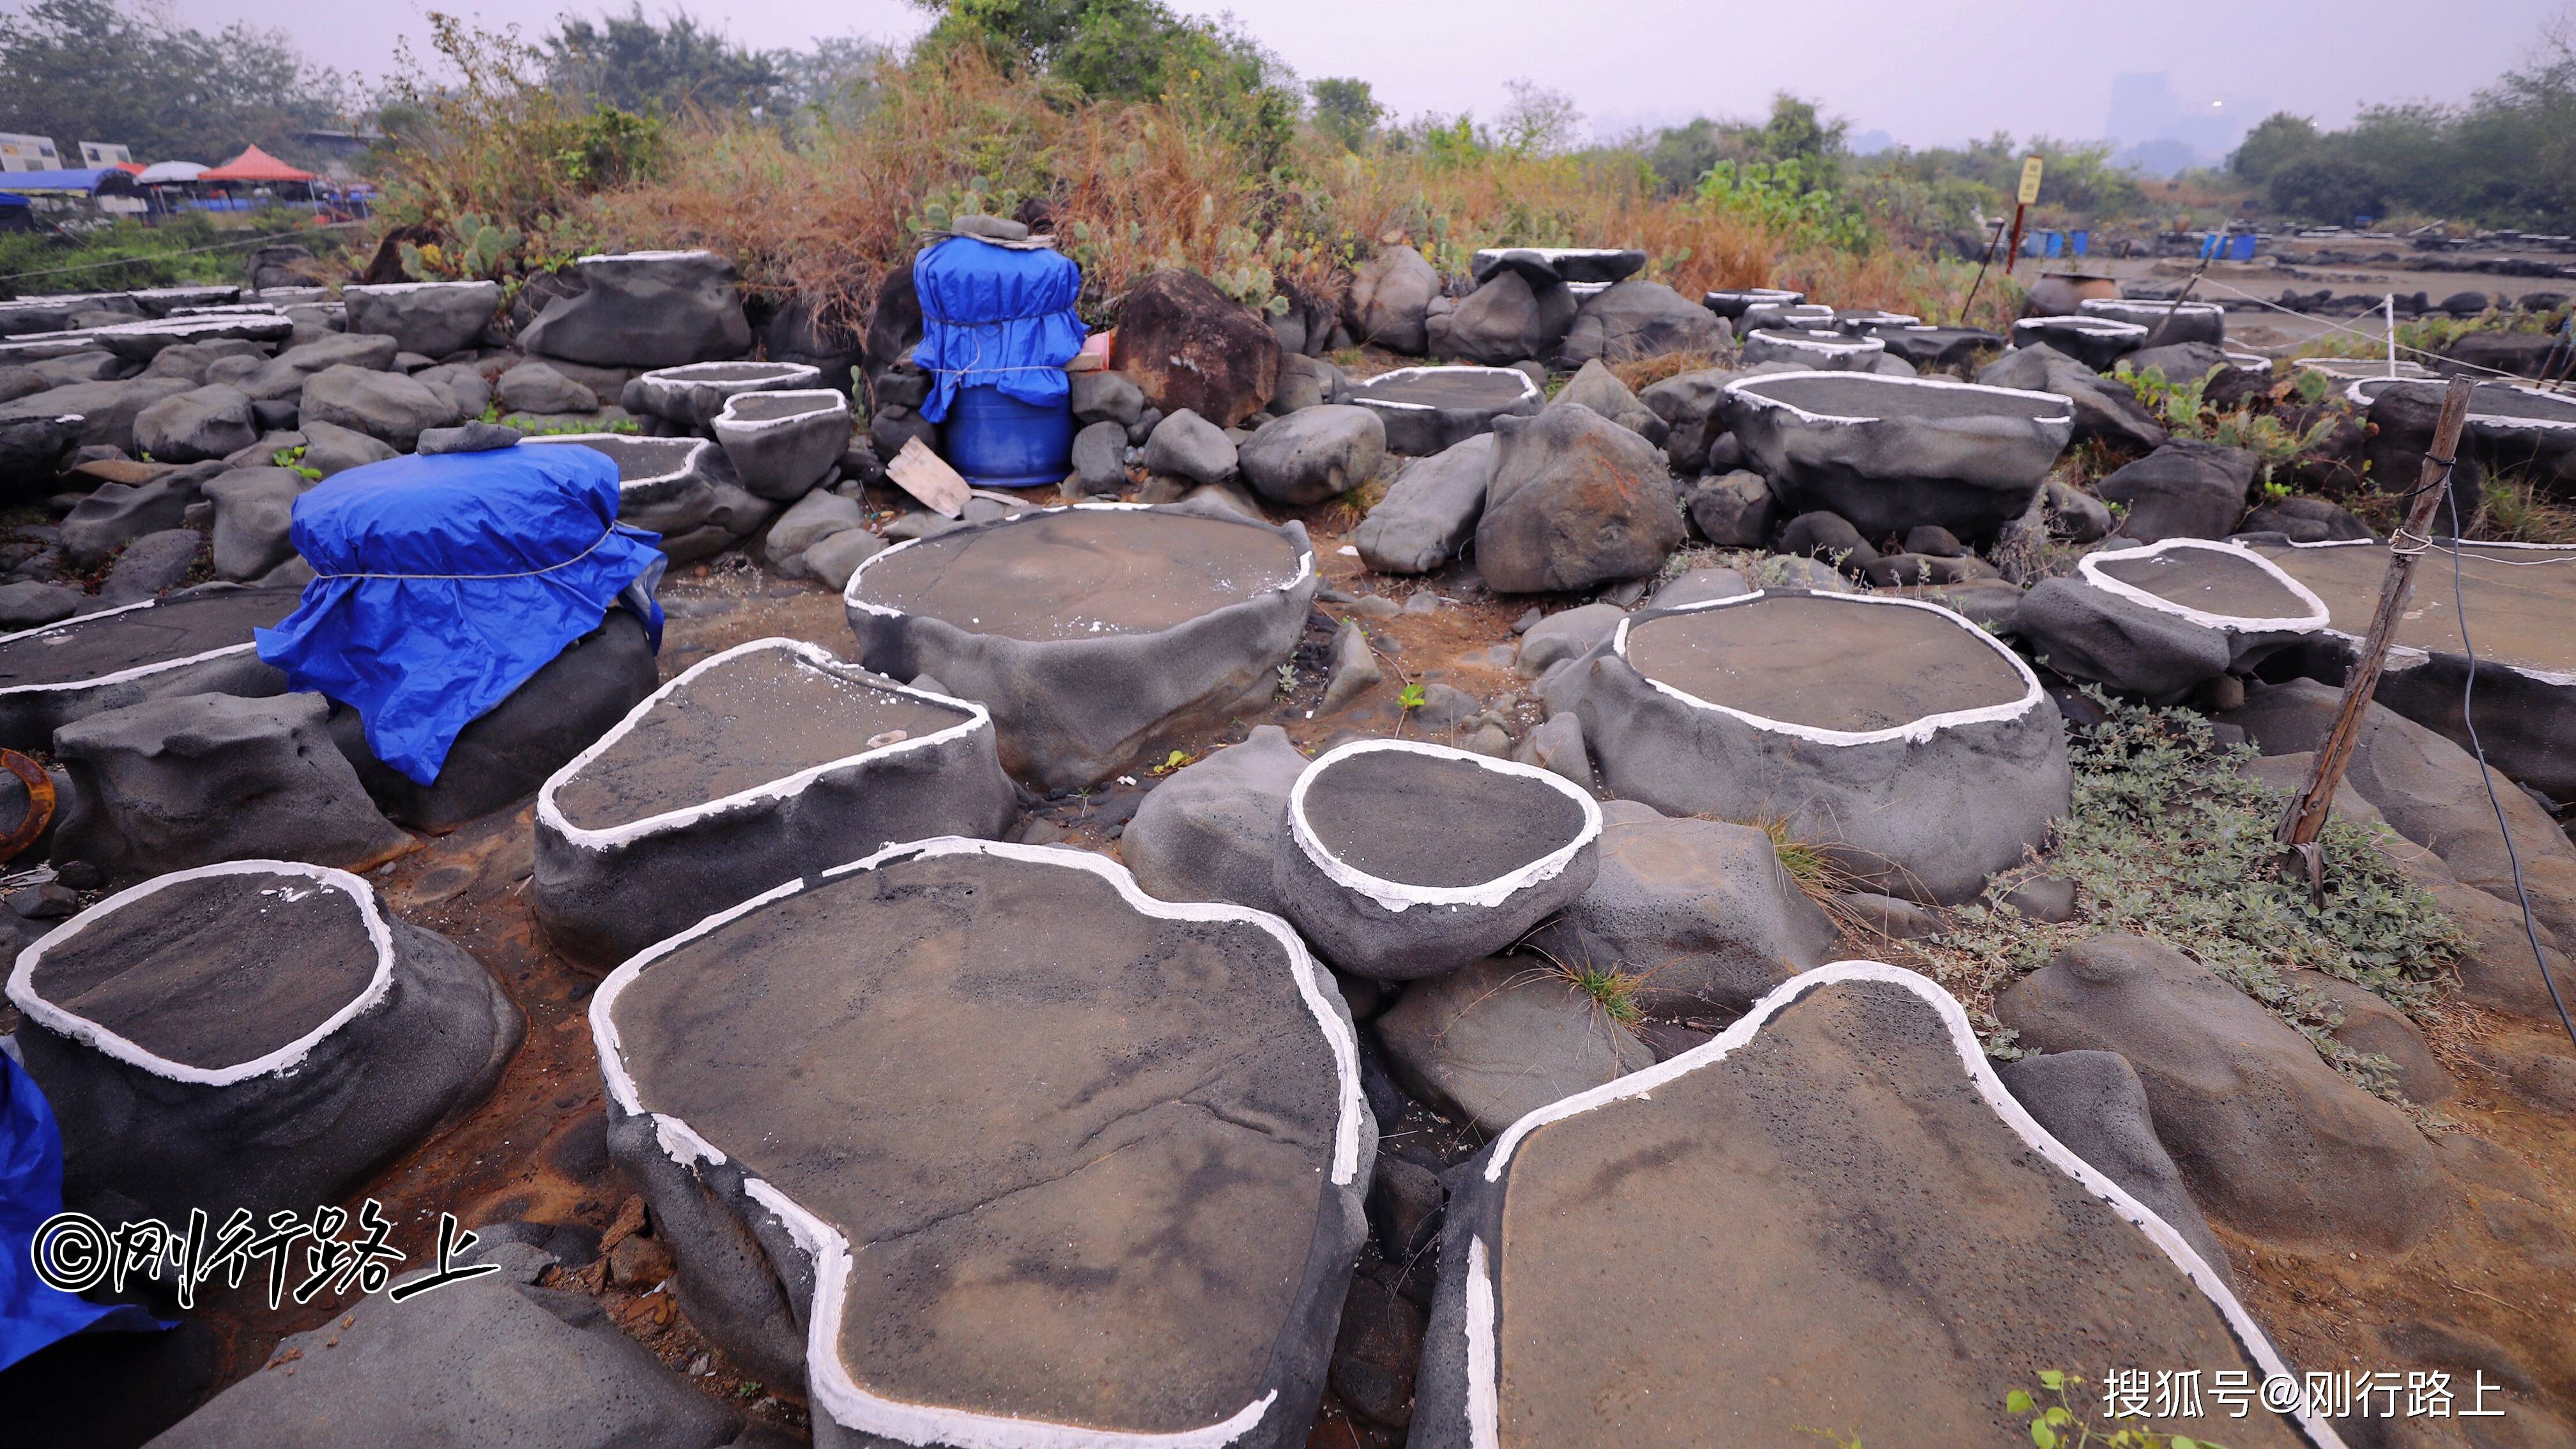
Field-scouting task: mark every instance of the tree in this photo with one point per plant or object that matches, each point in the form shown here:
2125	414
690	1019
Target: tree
1536	121
2327	188
1345	110
86	70
2276	140
636	64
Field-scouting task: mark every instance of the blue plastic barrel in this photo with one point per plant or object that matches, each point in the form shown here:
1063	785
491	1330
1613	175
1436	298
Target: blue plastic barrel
1002	442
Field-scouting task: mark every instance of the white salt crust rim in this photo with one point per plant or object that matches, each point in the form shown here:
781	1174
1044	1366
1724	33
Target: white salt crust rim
830	403
2316	617
1913	732
690	457
120	676
828	1380
551	816
2125	309
1552	254
402	289
1483	1406
22	991
850	591
1753	295
1528	389
1832	344
2363	391
685	375
2083	322
1397	896
1750	390
2408	656
666	256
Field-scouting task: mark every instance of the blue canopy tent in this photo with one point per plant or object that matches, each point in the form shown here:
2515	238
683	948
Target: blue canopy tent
445	580
997	328
15	213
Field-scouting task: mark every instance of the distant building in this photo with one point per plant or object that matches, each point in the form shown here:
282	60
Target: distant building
28	153
338	152
2154	130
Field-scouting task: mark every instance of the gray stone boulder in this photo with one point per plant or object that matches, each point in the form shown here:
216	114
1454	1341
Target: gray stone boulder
2105	409
1892	454
2096	342
191	427
2307	520
1430	512
331	449
1557	746
1403	859
1700	586
645	309
464	387
430	318
106	410
194	361
1106	397
254	508
28	604
832	560
2273	1141
1595	386
1503	321
1699	913
2093	1102
534	387
2073	515
152	564
765	762
1310	455
32	450
1690	405
2185	489
348	1036
1495	1041
283	377
1100	457
1185	445
384	405
2180	362
1635	319
1388	298
1211	830
1929	348
492	1359
1565	634
194	779
115	514
782	444
1576	500
1600	266
1733	510
1927	759
810	520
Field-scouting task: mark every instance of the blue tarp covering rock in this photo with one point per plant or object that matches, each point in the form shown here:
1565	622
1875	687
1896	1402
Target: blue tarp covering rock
445	582
33	1314
996	316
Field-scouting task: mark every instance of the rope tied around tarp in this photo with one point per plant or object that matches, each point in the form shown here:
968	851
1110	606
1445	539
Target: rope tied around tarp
614	529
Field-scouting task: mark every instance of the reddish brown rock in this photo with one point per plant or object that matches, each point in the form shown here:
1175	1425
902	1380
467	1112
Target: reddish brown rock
1187	345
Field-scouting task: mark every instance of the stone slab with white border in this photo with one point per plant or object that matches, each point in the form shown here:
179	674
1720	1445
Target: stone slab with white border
2097	342
2160	620
1894	453
667	485
783	442
2166	322
1428	410
691	396
193	643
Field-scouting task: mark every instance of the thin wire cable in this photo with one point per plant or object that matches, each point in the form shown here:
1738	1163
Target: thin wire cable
2366	337
2513	857
182	252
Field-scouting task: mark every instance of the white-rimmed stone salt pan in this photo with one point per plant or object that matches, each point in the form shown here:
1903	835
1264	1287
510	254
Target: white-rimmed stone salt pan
1732	303
258	1033
2520	598
1138	1233
693	395
1428	410
667	485
194	643
1402	859
2097	342
1694	1254
1909	744
782	443
763	763
1542	265
1895	453
1819	349
1787	316
2166	322
1089	630
2164	618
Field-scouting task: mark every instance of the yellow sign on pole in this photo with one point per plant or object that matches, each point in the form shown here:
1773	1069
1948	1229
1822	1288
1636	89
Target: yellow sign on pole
2029	180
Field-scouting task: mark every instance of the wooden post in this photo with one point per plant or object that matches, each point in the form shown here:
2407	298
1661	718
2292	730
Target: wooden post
2306	818
2166	320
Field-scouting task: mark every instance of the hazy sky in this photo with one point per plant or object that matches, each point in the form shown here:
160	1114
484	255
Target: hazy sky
1927	73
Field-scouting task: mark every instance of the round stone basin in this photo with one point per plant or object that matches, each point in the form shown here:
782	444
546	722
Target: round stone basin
1423	816
640	461
1833	663
2097	342
771	407
2219	585
1077	573
693	393
764	715
1484	388
215	974
1858	396
1730	304
139	638
771	373
1810	348
2190	322
1112	1235
2493	406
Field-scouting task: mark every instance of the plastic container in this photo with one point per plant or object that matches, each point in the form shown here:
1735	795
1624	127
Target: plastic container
1001	442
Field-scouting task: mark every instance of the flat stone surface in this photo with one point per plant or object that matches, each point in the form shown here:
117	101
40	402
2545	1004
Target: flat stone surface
2520	612
642	457
218	970
1107	1231
768	407
1423	820
1824	662
1833	1192
2487	400
757	718
1866	395
2210	581
1448	387
86	648
1081	573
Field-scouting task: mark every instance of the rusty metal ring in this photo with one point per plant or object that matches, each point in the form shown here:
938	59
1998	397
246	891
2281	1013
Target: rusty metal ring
40	803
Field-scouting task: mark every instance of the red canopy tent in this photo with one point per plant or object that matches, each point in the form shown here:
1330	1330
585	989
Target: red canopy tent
254	164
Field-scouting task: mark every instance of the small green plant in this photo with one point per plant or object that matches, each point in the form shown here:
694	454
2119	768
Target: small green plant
480	249
1287	678
1615	992
2184	408
292	459
1411	698
2060	1423
1806	864
1173	761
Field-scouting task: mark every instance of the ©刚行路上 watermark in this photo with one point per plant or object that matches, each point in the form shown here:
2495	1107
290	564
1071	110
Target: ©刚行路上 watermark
2330	1394
75	1252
